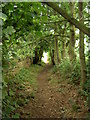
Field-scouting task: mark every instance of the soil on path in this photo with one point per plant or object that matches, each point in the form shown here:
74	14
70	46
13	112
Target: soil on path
53	101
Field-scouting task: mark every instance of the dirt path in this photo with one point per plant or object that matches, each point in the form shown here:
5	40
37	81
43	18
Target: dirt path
45	104
51	103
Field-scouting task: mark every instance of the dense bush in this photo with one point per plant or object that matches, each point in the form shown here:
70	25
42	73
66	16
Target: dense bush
12	99
68	70
65	68
75	74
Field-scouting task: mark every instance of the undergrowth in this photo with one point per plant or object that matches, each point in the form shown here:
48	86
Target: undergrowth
18	90
71	73
68	71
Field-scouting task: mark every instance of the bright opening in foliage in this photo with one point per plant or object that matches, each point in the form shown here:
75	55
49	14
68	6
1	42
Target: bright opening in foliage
45	57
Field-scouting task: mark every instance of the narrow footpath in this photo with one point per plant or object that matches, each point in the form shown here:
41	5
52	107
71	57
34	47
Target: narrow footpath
53	100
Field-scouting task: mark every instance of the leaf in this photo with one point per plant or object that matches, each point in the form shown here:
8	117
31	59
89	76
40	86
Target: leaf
1	22
38	34
44	18
7	110
9	30
3	16
16	115
11	93
4	94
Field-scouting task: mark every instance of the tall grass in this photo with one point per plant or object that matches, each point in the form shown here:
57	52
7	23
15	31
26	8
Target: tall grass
69	70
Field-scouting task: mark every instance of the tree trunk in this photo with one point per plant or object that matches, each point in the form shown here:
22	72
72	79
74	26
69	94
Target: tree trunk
36	58
40	54
73	21
52	56
81	47
63	52
56	53
57	59
72	55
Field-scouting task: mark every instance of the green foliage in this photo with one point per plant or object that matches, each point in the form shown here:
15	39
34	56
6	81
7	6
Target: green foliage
65	68
3	17
75	75
83	93
16	115
54	69
23	76
9	30
85	96
68	70
20	82
75	107
22	24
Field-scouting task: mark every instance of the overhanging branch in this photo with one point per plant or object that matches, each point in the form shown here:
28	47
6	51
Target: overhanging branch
73	21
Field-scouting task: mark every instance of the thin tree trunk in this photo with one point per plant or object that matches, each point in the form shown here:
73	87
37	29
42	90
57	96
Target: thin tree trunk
52	56
36	58
63	52
40	54
81	47
57	59
72	55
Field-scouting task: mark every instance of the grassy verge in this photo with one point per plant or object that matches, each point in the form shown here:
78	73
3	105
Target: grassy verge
19	89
